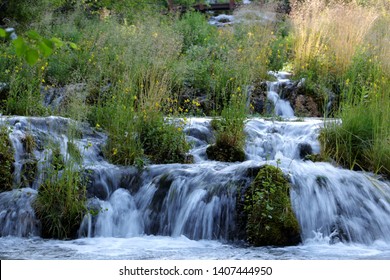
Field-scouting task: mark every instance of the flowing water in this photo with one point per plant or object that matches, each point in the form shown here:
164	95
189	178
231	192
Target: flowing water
188	211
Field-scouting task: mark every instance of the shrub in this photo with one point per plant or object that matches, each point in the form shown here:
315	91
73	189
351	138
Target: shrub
60	204
230	136
163	141
6	160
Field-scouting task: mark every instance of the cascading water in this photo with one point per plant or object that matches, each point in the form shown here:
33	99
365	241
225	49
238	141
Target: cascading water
282	107
189	210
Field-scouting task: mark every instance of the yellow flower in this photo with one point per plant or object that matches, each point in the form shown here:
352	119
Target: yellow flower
114	151
97	125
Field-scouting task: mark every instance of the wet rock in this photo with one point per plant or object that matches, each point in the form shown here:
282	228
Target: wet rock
59	98
304	149
225	153
258	99
306	102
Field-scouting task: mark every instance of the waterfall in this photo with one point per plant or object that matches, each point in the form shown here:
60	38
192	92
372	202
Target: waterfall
282	107
199	200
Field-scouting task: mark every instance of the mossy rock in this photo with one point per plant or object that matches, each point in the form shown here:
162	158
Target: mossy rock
270	219
6	161
225	153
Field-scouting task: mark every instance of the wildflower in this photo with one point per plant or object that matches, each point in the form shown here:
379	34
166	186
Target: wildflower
97	125
250	34
114	151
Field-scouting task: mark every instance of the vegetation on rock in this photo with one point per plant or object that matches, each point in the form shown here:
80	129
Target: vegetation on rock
61	203
270	218
6	160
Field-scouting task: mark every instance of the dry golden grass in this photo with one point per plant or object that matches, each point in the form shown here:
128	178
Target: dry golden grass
330	32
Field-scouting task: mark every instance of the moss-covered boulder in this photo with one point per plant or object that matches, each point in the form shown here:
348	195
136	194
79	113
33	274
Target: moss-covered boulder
225	153
270	219
6	161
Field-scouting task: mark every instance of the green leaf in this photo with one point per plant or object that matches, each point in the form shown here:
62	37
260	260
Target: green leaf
20	46
57	42
45	49
2	33
32	56
73	46
49	43
33	35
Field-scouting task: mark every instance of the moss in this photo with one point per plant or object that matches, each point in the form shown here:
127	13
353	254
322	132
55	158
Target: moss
6	161
270	219
225	153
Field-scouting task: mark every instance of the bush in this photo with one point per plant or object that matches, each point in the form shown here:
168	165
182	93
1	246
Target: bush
162	141
270	219
229	129
60	204
6	160
26	11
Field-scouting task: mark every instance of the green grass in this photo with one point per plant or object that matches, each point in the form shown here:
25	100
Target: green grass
6	160
60	204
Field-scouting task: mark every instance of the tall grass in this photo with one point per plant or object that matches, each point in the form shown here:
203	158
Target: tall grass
344	47
60	204
326	35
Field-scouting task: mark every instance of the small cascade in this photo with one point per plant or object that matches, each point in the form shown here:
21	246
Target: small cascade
199	200
282	107
17	216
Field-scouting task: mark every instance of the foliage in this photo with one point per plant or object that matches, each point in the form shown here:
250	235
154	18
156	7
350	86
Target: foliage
230	136
60	204
361	140
342	46
26	11
163	141
6	160
270	219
